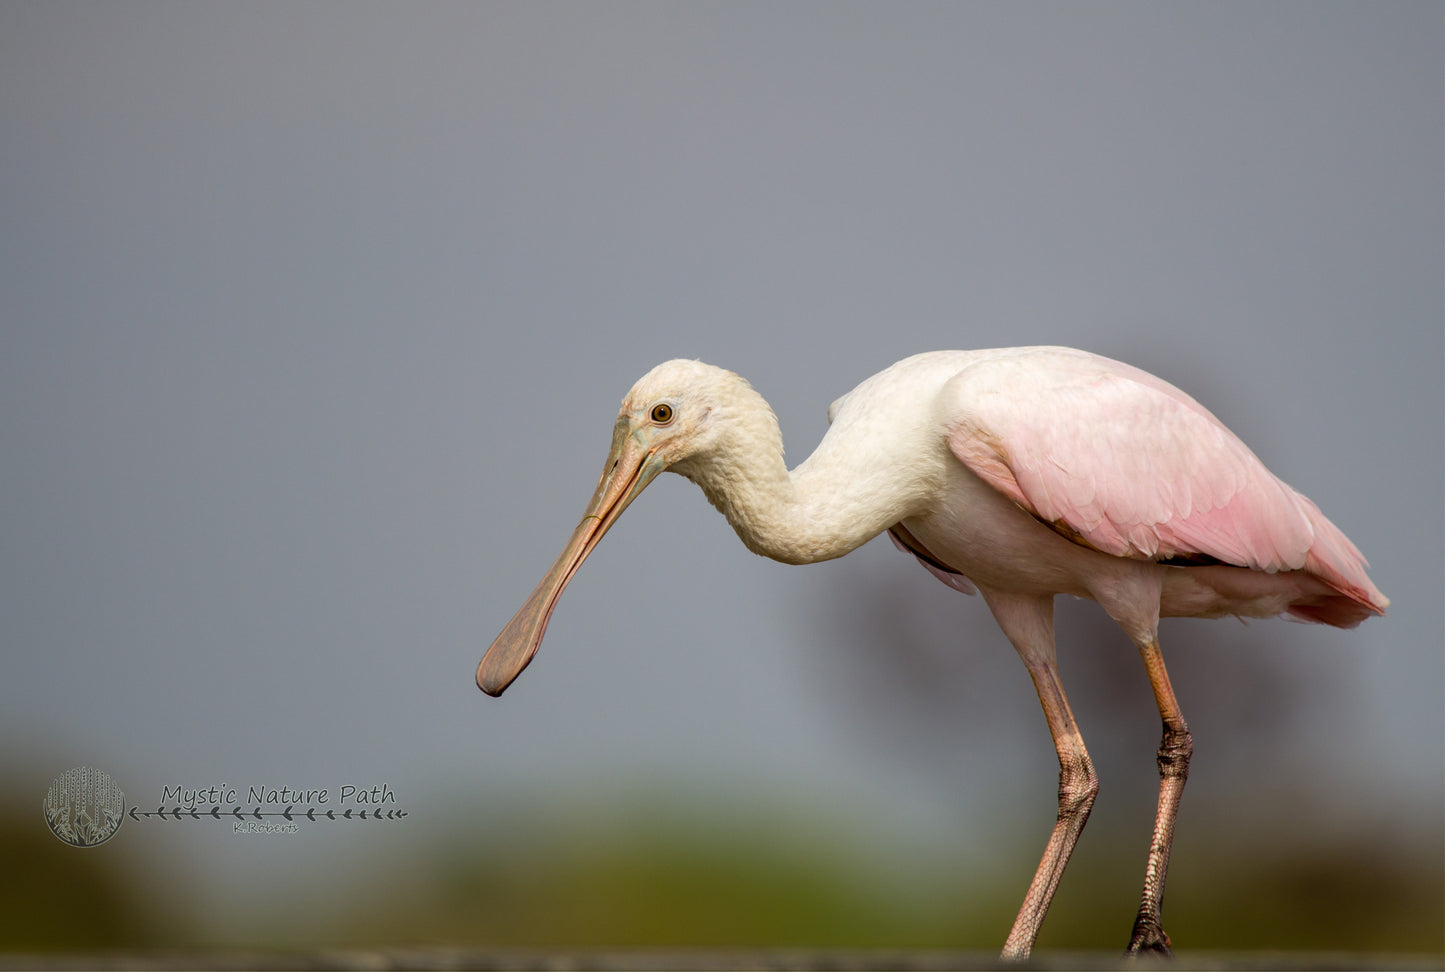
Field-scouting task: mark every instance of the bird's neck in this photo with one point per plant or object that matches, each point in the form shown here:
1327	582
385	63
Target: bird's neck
821	510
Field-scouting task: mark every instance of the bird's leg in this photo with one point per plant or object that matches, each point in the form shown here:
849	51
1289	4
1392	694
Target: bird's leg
1174	752
1029	624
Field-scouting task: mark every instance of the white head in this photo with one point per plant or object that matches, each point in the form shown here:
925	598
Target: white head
685	416
688	413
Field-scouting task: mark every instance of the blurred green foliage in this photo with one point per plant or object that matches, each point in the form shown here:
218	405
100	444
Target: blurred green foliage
734	872
59	897
664	875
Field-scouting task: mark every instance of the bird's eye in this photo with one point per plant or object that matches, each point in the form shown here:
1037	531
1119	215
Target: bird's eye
662	413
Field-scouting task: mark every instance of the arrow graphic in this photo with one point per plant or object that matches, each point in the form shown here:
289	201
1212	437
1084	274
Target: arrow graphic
216	813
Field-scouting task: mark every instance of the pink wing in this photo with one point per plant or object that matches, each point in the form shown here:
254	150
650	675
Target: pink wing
1124	462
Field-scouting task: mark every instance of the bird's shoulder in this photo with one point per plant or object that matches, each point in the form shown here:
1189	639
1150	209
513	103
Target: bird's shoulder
906	383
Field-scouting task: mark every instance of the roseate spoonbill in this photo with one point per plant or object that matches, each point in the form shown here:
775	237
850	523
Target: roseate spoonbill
1020	473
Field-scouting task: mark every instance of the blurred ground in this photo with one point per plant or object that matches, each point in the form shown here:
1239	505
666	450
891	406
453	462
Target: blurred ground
782	961
661	871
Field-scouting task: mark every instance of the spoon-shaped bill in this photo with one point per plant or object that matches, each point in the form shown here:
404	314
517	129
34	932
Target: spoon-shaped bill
630	467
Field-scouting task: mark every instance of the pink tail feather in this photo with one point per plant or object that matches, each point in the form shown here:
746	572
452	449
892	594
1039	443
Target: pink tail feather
1338	562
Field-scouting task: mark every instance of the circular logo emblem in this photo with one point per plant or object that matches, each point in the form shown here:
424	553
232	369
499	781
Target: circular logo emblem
84	807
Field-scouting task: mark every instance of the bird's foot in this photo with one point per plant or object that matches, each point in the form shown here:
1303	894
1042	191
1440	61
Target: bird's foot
1149	939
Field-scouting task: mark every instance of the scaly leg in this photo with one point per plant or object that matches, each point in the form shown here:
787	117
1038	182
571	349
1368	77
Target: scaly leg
1174	752
1029	624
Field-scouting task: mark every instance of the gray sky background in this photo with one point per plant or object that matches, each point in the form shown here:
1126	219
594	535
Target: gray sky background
314	320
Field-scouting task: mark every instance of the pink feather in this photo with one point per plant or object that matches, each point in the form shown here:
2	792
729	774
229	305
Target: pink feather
1126	463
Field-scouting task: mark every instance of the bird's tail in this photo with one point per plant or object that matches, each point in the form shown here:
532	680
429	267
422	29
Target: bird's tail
1338	562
